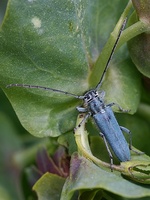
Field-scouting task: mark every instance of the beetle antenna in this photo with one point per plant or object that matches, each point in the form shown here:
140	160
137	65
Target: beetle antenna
44	88
112	53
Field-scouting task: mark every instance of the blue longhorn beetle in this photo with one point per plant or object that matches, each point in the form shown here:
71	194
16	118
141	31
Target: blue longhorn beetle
102	114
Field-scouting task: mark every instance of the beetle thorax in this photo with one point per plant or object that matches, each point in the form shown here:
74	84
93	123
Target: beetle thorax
93	101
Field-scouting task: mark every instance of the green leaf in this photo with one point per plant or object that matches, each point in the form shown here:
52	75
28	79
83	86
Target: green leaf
49	187
68	141
122	83
85	175
41	44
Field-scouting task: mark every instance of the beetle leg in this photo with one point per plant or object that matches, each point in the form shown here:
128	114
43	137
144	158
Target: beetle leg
130	139
109	152
119	107
81	109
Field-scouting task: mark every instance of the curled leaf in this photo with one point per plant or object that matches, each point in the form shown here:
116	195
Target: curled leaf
138	171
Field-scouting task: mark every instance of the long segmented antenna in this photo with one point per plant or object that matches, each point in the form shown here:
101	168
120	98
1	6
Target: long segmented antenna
111	55
44	88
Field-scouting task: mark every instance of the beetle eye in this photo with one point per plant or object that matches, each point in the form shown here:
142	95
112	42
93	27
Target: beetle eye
88	97
85	98
96	94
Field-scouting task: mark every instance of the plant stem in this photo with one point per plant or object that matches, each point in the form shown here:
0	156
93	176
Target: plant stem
103	57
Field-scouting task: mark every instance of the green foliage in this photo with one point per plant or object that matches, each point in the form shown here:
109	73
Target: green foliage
99	179
49	187
65	45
